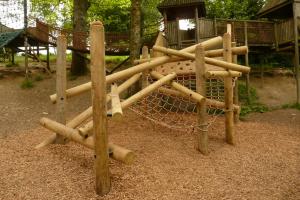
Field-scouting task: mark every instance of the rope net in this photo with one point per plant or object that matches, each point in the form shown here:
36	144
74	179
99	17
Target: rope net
169	108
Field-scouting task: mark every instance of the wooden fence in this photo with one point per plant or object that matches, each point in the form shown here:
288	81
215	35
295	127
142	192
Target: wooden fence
259	33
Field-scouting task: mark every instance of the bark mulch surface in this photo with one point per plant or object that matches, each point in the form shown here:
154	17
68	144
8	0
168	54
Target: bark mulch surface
265	164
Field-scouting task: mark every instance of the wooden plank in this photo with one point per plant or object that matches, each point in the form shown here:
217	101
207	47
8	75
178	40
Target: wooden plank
202	131
103	183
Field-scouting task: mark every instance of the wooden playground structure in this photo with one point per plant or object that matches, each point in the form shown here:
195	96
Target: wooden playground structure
210	61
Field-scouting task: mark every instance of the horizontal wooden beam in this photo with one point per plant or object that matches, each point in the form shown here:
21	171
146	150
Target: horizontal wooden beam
222	74
212	43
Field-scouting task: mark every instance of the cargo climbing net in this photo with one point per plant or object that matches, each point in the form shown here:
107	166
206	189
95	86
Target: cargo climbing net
171	109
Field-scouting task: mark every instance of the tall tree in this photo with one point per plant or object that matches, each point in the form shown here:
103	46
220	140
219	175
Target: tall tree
233	9
80	8
135	29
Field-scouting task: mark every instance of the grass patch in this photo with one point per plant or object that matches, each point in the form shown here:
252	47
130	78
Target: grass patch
294	106
250	104
38	77
27	83
12	65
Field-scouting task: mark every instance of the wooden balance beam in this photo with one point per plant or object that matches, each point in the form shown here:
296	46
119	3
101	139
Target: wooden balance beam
214	42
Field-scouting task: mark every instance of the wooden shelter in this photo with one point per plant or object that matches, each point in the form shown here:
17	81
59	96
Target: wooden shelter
175	10
287	28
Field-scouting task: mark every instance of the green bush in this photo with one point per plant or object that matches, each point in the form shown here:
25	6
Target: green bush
38	78
250	104
294	106
27	83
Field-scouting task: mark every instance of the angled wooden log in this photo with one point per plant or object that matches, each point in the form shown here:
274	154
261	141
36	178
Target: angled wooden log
211	61
74	123
118	153
210	102
160	41
186	91
116	108
134	98
242	50
212	43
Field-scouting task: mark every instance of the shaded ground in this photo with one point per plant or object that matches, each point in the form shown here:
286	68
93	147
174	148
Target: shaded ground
275	91
264	165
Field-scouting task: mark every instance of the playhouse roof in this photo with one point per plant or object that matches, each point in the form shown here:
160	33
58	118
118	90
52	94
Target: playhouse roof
179	3
182	8
277	9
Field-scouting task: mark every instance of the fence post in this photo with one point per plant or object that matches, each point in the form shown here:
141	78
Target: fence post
236	89
201	137
99	108
229	125
61	84
145	55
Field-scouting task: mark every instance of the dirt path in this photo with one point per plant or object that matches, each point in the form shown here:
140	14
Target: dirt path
264	165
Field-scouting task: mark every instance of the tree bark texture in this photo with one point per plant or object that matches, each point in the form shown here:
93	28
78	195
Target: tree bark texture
79	66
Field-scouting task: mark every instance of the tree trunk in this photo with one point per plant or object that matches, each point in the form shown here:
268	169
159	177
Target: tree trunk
135	30
78	66
135	38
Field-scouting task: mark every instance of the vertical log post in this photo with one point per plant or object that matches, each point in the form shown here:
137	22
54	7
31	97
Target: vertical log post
229	115
215	27
236	89
99	108
202	136
145	55
61	84
197	33
48	56
178	34
296	34
247	61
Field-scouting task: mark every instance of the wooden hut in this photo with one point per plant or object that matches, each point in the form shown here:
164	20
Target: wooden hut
286	13
175	10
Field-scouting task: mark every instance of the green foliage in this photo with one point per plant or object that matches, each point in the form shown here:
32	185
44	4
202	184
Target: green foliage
114	14
294	106
250	104
233	9
115	59
38	77
56	12
12	65
27	83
